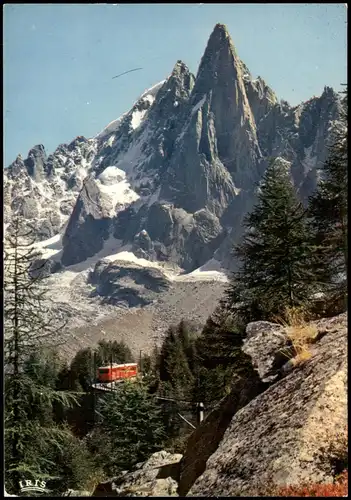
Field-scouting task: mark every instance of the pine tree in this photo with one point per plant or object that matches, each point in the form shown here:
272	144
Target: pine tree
149	368
43	367
220	340
188	333
117	352
276	253
176	379
219	356
28	326
130	428
328	213
82	369
174	366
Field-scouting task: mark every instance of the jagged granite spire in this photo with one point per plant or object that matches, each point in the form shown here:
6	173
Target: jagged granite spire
220	89
36	161
16	168
176	90
220	62
192	150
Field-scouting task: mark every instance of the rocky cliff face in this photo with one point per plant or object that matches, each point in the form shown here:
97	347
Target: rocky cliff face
181	165
281	436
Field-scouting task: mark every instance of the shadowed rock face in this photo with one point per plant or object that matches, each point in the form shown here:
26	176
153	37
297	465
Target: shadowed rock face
88	226
205	440
35	162
192	150
279	437
126	284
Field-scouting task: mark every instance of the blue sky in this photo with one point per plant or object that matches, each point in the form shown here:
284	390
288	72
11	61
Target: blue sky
59	59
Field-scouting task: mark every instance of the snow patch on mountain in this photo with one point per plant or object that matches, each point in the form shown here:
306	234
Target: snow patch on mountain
137	118
128	256
211	271
133	160
51	247
113	183
113	250
310	161
203	276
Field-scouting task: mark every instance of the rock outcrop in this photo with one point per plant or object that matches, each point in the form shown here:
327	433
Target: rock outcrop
280	436
41	189
35	162
127	284
88	226
156	477
269	347
205	440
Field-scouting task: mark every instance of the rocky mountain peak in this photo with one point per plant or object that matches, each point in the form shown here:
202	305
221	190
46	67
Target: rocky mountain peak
37	152
80	139
16	167
329	91
220	61
220	82
181	163
181	80
36	161
180	67
220	34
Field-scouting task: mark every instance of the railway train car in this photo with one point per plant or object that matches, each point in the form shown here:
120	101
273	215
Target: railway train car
114	372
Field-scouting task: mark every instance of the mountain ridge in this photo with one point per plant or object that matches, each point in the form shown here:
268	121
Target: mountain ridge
181	165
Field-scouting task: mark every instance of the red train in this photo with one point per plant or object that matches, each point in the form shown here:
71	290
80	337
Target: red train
114	372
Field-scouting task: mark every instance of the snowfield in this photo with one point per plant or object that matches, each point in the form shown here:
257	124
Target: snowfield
211	271
51	247
152	91
113	183
137	118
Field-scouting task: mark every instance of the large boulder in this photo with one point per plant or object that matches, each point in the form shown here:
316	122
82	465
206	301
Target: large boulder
43	268
156	477
280	437
269	347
